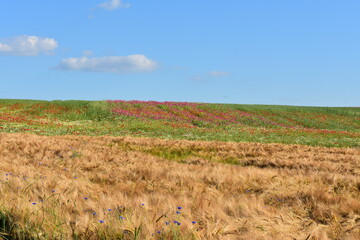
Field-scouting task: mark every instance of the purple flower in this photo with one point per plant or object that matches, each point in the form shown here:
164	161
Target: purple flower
177	223
101	221
193	222
94	213
178	212
179	208
121	217
34	203
109	210
167	223
86	198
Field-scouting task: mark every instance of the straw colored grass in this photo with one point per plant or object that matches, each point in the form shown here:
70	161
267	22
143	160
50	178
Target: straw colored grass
129	188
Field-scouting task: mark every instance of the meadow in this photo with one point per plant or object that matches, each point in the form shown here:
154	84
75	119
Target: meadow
315	126
169	170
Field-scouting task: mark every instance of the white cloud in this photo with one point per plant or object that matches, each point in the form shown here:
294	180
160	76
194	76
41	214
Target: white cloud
4	48
113	4
27	45
218	74
115	64
196	78
87	53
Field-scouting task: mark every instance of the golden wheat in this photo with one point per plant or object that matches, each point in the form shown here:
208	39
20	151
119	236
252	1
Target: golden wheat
108	187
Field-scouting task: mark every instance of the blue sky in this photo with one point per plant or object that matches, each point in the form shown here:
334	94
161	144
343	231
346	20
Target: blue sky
231	51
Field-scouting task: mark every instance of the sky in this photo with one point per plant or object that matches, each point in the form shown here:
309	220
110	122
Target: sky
304	53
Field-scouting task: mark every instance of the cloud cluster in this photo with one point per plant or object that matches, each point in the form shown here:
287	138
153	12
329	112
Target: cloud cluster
113	4
32	45
114	64
27	46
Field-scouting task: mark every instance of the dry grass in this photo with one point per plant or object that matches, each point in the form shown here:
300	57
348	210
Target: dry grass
231	190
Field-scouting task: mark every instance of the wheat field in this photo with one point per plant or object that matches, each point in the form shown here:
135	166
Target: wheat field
81	187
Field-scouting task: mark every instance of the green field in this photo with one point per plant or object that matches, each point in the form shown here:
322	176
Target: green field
315	126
